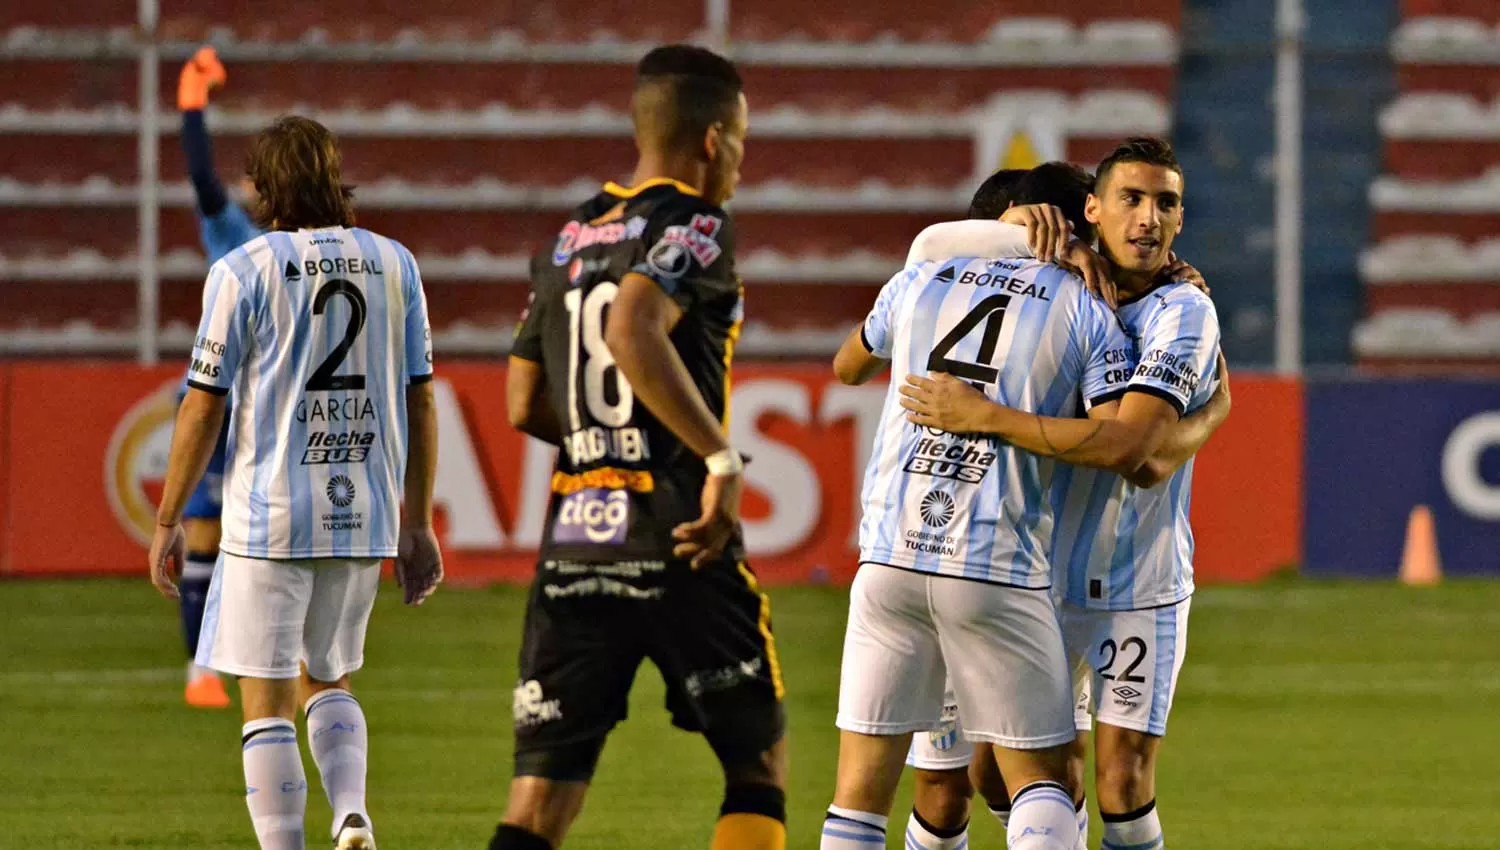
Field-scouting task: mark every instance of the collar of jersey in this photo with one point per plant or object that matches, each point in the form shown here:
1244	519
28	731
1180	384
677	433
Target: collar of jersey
629	192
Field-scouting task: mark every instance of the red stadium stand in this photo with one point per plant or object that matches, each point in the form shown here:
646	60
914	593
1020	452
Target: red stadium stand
470	127
1433	276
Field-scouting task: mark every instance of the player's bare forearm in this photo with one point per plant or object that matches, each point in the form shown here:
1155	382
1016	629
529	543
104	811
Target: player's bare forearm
647	359
1118	443
1107	444
638	337
1184	440
421	455
854	364
199	419
527	401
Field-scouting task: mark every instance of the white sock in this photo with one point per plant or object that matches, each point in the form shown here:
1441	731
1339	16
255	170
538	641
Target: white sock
1083	826
1002	815
340	744
920	837
847	829
275	786
1138	830
1042	817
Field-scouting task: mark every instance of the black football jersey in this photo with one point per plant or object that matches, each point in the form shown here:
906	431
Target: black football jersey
623	480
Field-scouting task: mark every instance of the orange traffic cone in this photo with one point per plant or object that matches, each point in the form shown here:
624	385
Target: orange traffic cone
1420	565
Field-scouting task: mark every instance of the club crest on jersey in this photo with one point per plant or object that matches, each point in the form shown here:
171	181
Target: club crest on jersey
576	236
669	259
135	465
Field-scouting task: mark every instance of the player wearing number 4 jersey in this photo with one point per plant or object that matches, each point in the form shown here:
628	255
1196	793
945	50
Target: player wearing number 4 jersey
1122	545
622	360
320	329
954	577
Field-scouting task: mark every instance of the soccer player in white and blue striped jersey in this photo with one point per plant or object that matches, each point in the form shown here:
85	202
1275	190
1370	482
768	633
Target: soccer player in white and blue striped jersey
954	575
320	329
1122	550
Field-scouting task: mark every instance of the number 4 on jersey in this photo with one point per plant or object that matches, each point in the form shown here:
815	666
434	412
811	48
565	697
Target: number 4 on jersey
990	311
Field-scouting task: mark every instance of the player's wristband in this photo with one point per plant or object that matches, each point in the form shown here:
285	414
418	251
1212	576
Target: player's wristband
725	462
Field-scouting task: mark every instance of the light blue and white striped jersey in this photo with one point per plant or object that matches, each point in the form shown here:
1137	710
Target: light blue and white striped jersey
1030	337
1117	546
318	333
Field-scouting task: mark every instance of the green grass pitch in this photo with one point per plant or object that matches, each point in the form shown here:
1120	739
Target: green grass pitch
1311	716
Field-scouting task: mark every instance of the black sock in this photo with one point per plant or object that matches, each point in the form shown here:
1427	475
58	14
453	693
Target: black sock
509	837
937	830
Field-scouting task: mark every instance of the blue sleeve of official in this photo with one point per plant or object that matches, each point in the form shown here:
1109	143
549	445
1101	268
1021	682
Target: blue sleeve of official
225	230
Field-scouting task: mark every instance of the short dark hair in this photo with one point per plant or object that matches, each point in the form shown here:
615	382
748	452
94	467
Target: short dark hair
296	169
1150	150
993	196
1063	185
680	91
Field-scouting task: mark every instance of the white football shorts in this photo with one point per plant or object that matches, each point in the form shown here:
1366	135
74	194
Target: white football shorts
1010	676
263	618
1129	660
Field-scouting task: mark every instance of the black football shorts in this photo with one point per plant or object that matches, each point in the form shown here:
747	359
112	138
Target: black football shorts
589	626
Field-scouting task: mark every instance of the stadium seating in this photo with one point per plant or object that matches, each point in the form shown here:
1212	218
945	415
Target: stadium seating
1432	280
471	126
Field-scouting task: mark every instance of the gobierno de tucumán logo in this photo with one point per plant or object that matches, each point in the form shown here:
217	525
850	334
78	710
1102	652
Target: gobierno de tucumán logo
135	465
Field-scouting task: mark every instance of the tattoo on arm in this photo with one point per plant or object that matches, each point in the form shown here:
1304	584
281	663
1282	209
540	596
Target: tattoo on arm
1062	455
1041	428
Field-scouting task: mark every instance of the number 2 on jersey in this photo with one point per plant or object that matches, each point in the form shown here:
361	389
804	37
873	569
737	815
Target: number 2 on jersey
323	379
990	311
586	343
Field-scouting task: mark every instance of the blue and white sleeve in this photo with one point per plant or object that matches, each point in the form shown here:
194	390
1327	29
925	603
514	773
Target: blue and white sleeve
1110	358
877	331
1178	349
228	315
418	328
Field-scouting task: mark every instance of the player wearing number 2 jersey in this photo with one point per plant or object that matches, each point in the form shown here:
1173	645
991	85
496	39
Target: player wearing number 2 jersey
320	329
622	360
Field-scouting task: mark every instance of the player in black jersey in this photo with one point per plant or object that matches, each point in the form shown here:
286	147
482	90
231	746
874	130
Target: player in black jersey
622	360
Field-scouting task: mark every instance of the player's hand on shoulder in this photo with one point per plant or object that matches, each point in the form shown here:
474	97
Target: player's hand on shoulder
419	564
1179	270
944	402
168	549
1097	273
705	538
1047	229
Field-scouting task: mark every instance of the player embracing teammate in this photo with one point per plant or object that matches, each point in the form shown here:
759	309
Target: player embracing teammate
1120	545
